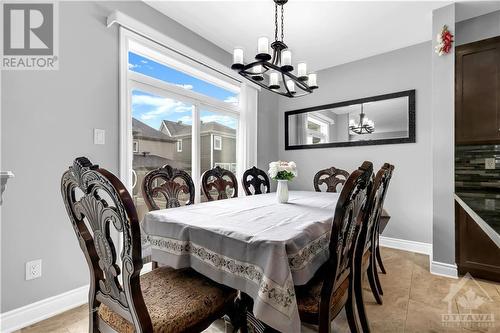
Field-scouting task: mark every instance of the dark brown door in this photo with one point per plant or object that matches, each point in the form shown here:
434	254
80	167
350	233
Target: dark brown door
477	95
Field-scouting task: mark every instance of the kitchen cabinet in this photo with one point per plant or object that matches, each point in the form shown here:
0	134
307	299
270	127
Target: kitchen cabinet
477	92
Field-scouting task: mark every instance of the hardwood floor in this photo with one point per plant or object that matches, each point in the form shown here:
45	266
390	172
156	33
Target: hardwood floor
414	301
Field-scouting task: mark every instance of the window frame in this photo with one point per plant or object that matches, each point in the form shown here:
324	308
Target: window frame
135	146
130	81
179	143
219	138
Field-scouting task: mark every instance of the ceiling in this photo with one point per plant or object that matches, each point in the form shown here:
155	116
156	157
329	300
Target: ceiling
322	33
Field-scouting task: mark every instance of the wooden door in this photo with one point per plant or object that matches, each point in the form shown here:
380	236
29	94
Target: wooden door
477	92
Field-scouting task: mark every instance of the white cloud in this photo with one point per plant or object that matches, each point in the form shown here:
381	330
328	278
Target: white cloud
132	66
186	119
160	107
144	61
232	100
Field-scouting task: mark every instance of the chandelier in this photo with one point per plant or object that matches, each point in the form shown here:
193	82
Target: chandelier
277	65
365	125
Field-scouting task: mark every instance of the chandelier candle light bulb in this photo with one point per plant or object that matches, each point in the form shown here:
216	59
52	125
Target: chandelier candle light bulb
274	81
291	86
312	81
263	49
257	73
286	59
237	59
302	71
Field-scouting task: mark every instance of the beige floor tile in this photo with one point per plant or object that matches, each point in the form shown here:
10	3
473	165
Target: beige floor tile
423	317
413	302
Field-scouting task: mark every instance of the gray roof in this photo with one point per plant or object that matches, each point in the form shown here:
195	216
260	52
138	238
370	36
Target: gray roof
143	131
150	162
178	128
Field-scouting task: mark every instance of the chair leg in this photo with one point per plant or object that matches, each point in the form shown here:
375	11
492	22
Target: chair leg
379	259
350	311
360	305
372	279
154	265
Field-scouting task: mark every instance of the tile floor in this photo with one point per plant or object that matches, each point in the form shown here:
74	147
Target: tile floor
414	301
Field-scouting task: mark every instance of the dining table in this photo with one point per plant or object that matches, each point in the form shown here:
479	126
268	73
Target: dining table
253	244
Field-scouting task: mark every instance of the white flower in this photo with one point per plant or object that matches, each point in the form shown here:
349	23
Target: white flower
278	166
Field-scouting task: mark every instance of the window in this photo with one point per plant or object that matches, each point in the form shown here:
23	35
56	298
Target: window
165	98
217	142
317	130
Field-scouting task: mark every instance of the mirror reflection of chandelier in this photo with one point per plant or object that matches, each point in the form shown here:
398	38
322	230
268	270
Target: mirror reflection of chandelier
364	126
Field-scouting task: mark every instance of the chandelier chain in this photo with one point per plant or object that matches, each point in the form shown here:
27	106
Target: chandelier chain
275	22
282	18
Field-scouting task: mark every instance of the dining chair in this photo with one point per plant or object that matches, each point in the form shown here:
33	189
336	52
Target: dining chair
218	181
257	179
365	259
169	184
120	299
331	289
331	177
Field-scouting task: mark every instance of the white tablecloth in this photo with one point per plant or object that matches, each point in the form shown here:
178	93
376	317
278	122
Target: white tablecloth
253	244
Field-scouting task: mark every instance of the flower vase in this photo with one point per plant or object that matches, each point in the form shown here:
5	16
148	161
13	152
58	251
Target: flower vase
282	191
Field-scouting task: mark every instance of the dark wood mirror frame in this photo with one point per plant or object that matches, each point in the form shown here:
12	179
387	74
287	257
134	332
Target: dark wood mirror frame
411	122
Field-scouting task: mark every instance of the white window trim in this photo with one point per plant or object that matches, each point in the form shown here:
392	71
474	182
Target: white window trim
130	81
135	146
217	138
179	145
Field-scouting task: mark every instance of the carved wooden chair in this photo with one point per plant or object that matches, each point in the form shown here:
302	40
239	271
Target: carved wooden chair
163	300
332	288
331	177
257	179
365	262
219	181
169	184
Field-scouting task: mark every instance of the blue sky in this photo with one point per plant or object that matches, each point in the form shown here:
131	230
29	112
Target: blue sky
152	109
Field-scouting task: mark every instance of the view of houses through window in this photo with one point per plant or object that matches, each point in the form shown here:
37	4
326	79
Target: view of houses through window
162	130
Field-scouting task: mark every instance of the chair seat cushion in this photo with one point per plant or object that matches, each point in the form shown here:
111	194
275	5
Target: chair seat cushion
177	301
309	296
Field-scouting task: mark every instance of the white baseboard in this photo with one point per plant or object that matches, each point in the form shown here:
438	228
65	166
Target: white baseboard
46	308
406	245
444	269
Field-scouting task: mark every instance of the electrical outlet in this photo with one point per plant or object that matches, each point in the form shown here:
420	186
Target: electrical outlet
489	163
33	269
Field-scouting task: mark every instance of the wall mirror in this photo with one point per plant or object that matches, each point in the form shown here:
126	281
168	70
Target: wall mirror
384	119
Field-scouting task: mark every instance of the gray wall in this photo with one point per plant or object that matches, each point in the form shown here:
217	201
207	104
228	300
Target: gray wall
47	120
409	199
443	136
477	28
267	120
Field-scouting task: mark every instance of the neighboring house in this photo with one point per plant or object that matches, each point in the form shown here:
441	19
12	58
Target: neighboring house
152	149
218	144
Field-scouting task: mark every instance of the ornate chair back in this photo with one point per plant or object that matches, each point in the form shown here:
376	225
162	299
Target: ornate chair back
331	177
218	181
170	184
344	235
371	215
97	201
257	179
